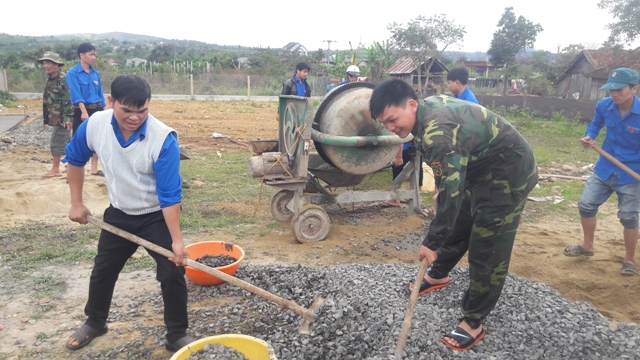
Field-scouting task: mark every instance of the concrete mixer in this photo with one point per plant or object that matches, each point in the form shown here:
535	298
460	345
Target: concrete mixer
349	144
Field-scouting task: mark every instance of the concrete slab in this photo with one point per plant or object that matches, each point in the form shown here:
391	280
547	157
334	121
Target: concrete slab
9	121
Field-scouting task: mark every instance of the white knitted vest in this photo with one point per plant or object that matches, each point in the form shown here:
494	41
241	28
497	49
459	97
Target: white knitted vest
128	172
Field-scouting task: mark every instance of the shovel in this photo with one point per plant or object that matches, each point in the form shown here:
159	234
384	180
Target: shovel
406	324
617	162
309	315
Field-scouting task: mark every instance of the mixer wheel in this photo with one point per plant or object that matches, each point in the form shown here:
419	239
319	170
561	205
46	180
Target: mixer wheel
279	203
311	224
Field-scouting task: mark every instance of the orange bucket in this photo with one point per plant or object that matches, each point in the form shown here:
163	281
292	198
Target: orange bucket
215	248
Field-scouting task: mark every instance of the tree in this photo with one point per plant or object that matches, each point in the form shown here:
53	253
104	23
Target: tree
424	38
378	58
514	35
628	26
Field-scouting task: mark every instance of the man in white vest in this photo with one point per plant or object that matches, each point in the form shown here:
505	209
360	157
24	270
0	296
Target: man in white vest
141	162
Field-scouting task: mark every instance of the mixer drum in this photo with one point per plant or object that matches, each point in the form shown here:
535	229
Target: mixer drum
345	112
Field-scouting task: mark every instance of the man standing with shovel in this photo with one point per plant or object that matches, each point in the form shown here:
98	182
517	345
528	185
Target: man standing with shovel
620	113
141	161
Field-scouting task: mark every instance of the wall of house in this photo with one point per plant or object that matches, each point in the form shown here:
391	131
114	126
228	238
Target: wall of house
585	88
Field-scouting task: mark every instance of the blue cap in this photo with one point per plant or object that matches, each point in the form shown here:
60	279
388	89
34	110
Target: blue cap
620	78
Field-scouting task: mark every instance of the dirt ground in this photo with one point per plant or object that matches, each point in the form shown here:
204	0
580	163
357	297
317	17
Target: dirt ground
363	234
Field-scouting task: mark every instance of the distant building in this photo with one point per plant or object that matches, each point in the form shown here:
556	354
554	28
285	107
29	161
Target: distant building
294	48
135	62
112	62
589	71
406	69
479	68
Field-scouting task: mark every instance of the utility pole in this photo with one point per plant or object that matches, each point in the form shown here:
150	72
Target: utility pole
329	47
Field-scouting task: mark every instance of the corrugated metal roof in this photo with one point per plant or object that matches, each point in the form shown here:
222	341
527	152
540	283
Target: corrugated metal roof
478	63
406	65
603	61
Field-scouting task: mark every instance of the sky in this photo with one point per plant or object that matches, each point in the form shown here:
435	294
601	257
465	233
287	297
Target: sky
275	23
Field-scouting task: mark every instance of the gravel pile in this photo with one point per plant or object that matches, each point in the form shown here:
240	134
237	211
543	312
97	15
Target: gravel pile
216	261
32	134
364	310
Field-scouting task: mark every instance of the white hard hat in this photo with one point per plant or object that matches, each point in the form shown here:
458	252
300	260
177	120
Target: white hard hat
353	70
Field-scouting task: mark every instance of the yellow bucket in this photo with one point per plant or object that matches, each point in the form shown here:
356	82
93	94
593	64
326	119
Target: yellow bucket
252	348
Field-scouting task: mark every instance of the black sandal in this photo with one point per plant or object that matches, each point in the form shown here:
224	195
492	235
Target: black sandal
84	335
179	344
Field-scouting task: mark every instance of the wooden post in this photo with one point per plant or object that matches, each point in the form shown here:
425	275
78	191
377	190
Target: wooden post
248	87
191	80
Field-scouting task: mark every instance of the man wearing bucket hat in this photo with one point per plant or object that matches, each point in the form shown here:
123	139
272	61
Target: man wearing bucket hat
620	113
57	111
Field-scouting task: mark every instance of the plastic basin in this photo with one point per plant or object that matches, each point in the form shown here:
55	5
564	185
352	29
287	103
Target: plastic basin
252	348
215	248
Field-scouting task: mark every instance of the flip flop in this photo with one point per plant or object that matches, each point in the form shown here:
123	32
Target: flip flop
628	269
182	342
576	251
84	335
99	173
49	176
465	339
425	287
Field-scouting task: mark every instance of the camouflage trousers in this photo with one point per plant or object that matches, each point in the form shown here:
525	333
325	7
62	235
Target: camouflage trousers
488	236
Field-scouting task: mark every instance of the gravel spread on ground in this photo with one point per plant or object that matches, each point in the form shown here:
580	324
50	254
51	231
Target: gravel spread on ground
364	310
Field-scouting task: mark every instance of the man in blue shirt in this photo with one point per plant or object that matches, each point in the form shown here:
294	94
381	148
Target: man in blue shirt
141	161
352	75
620	113
297	85
86	92
457	80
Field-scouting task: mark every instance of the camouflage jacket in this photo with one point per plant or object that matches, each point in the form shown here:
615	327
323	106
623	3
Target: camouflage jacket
56	101
474	153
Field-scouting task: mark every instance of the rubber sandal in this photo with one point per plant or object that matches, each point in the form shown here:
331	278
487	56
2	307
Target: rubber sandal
84	335
576	251
99	173
628	269
465	339
182	342
425	287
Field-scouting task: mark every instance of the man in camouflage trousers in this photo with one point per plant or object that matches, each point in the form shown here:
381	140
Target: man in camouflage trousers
484	170
56	109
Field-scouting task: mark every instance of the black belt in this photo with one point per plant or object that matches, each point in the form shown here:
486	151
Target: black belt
90	106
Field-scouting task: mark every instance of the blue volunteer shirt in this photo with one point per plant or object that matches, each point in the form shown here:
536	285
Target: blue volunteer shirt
166	169
467	95
622	140
85	87
300	86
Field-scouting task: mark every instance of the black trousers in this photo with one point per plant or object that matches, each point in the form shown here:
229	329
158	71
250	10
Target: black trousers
407	155
77	117
113	253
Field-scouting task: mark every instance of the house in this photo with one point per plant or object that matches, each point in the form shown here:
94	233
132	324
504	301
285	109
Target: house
589	71
479	68
294	48
406	69
113	62
135	62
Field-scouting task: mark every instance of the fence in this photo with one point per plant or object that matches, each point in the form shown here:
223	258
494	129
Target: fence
176	83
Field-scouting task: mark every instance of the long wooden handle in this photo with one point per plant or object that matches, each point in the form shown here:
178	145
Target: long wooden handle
617	162
406	324
287	304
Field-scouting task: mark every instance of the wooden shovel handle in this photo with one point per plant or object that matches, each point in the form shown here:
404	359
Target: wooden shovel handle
406	324
617	162
287	304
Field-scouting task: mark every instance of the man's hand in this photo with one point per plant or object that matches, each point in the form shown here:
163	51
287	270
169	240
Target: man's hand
180	251
78	213
84	116
425	252
587	142
397	161
68	125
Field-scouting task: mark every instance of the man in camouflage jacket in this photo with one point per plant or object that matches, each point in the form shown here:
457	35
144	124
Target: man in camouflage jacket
56	109
484	170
